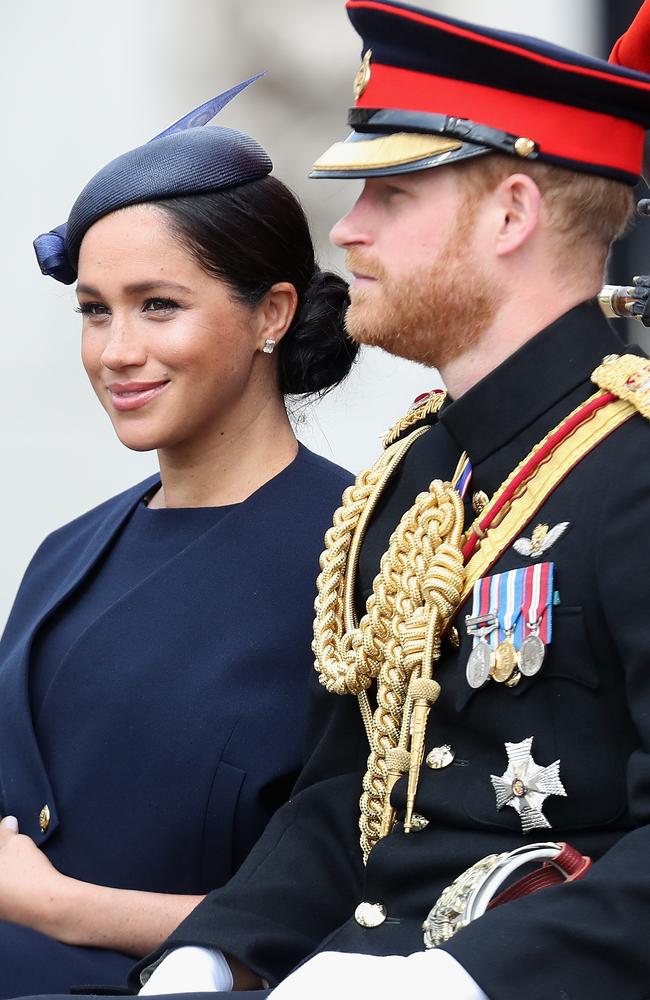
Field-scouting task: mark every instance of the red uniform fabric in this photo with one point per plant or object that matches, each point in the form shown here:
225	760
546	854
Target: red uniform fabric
632	49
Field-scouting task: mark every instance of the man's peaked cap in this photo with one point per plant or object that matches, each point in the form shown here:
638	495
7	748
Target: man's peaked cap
434	89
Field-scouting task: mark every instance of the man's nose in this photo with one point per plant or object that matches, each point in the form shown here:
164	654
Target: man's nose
353	229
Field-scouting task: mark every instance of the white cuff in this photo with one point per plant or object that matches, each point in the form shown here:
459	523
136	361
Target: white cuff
188	970
449	977
423	974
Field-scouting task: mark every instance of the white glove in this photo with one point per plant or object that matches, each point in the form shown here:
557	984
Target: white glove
425	974
189	970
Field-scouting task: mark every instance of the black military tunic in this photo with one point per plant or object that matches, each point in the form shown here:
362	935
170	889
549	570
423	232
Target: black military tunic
589	707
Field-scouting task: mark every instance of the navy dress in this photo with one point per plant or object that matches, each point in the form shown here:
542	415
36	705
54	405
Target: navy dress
153	682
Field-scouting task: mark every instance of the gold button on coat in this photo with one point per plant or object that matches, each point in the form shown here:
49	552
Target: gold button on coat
370	914
44	818
479	501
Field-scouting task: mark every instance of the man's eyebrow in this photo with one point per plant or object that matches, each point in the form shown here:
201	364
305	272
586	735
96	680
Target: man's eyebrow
137	288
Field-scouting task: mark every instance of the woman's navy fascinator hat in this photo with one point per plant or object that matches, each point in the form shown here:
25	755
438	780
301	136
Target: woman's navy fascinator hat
184	159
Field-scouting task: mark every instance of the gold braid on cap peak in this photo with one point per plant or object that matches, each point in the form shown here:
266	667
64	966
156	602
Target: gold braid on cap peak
415	594
628	377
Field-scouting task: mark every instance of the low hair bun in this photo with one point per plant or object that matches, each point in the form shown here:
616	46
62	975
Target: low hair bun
252	236
316	353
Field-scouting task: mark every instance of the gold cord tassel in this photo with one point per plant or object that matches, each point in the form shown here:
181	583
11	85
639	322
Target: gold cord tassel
424	693
398	761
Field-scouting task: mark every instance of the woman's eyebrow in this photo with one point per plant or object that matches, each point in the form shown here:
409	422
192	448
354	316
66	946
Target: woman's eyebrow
136	288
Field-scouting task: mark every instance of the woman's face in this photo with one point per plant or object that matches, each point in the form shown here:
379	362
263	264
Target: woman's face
172	356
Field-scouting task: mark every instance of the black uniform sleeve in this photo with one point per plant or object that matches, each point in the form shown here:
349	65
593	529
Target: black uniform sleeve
302	878
589	940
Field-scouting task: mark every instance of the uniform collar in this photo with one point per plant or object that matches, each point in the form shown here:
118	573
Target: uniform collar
537	376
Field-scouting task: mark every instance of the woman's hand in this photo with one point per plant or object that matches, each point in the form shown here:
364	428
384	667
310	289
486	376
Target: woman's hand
31	889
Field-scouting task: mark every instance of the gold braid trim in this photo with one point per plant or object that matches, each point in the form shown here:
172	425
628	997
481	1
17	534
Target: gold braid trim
628	377
349	657
419	412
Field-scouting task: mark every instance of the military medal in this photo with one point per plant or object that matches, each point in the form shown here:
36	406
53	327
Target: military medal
505	655
510	625
537	616
480	625
479	664
531	655
505	661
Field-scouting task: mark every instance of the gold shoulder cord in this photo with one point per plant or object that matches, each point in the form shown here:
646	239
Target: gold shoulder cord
420	586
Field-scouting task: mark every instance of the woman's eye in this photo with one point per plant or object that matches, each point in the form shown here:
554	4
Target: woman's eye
159	305
92	309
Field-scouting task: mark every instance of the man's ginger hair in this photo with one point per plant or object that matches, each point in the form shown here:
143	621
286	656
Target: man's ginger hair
586	212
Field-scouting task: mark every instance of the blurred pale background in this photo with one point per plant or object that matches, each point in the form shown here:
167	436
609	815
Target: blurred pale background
81	82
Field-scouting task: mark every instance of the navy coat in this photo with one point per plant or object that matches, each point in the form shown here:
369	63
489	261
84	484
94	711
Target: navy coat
589	707
175	728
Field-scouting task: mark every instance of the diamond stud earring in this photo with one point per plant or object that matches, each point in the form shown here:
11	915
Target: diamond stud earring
269	346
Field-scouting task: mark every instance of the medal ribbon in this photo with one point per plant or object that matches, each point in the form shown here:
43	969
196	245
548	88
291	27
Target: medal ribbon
462	476
538	598
510	599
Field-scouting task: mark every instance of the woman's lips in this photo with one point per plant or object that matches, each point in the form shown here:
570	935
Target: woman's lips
133	395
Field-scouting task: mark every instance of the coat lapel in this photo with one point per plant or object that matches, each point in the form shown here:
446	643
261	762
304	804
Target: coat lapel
25	789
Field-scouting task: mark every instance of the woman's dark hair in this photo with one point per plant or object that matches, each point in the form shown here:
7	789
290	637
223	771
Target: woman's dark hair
253	236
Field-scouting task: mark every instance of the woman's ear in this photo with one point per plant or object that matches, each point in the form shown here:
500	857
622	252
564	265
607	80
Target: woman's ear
518	202
275	313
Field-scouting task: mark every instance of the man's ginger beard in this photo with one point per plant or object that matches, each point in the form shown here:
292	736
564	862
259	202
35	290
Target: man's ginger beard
433	314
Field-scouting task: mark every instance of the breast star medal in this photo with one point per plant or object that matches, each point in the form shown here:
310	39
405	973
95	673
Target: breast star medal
526	785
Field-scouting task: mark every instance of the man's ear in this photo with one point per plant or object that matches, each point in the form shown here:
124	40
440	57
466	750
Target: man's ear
519	202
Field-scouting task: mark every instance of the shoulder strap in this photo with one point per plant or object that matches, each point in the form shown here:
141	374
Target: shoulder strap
626	376
424	408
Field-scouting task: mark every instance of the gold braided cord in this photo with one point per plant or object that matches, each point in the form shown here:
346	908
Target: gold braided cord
414	595
349	657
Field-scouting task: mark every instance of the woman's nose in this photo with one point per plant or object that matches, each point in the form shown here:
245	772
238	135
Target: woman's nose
124	348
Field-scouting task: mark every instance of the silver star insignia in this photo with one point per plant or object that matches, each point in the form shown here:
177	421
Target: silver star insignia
525	785
541	540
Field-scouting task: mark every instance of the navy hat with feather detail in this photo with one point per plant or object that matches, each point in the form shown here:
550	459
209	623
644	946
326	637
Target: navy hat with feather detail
184	159
432	90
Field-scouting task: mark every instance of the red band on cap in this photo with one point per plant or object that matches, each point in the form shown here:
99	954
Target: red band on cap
496	43
559	130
